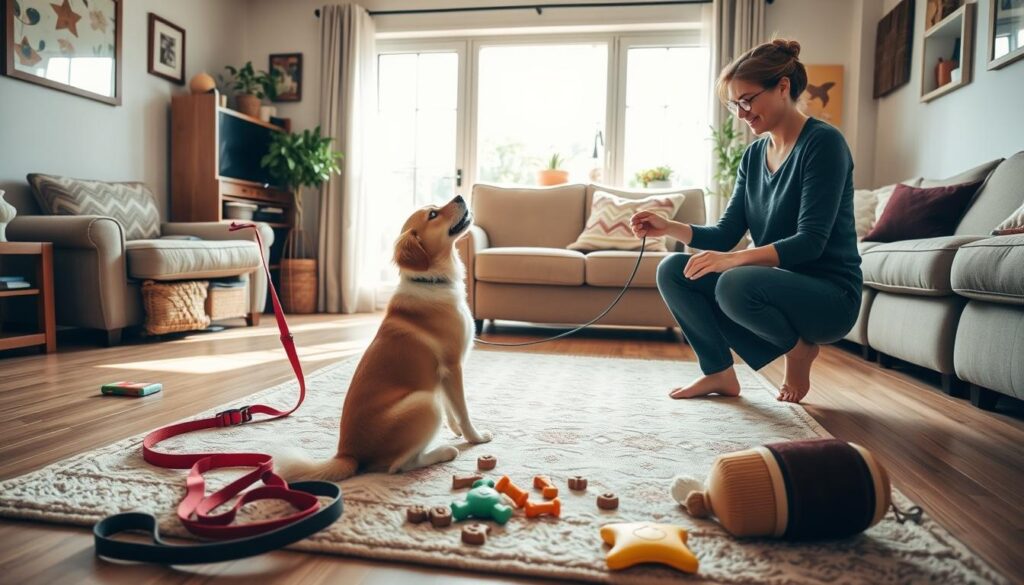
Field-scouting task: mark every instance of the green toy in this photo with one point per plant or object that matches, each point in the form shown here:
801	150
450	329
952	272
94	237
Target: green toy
482	502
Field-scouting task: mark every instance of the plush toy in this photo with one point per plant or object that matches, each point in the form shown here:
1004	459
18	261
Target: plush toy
799	490
482	502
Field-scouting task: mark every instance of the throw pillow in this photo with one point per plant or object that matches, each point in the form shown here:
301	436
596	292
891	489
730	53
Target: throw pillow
130	204
864	203
914	213
608	226
1011	225
884	193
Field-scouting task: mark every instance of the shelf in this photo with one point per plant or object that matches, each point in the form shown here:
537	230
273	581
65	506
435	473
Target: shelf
948	25
951	39
247	118
12	341
19	292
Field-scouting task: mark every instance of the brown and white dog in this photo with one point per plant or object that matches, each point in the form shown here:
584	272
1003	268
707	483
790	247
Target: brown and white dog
411	374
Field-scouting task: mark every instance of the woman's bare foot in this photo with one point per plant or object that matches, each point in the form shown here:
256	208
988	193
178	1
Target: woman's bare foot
725	383
798	371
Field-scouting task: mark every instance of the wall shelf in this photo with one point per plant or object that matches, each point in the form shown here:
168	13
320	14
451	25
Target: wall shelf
951	36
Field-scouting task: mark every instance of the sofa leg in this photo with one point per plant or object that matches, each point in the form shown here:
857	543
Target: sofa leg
478	326
867	353
884	360
252	319
952	385
983	398
113	337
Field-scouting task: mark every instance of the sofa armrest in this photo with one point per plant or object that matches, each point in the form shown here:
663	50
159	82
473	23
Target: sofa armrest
467	247
212	230
94	232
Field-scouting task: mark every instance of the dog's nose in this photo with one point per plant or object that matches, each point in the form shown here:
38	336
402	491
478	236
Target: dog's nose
458	199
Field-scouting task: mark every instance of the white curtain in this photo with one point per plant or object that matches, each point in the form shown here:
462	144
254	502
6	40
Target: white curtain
348	105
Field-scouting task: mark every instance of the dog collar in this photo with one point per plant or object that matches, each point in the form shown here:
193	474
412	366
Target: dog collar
430	280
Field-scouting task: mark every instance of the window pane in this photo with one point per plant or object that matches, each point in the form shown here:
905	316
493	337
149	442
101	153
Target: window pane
538	100
666	113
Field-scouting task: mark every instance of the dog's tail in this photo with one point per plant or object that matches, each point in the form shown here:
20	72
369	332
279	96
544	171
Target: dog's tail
294	465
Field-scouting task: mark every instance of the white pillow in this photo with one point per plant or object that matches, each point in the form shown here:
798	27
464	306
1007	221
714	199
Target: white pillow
1011	225
608	226
864	203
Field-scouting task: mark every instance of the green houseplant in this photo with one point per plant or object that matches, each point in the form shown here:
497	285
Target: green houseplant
251	87
298	161
553	174
727	150
656	178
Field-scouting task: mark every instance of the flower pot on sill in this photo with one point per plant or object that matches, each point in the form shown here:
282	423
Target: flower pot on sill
298	285
249	104
549	177
665	184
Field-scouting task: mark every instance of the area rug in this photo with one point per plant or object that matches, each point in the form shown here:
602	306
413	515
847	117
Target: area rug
606	419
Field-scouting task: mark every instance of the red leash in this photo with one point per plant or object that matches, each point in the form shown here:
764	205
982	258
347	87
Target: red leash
194	510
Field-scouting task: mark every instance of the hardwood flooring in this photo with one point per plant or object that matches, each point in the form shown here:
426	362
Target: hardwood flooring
963	465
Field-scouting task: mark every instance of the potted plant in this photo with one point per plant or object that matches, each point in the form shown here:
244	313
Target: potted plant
553	174
727	150
298	161
656	178
251	87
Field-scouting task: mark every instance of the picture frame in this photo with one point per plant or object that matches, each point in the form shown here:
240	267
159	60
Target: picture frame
289	83
43	39
1005	26
893	47
166	50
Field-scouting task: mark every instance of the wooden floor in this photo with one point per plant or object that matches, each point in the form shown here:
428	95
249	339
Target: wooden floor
963	465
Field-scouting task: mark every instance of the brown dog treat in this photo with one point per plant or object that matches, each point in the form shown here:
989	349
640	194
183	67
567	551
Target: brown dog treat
416	514
486	462
440	516
608	501
465	481
475	533
578	483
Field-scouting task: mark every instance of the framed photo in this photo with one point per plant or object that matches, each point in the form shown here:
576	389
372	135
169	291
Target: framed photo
1005	32
68	45
823	98
166	50
289	80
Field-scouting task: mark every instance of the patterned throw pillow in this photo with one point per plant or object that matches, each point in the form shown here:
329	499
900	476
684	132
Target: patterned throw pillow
608	226
1011	225
130	204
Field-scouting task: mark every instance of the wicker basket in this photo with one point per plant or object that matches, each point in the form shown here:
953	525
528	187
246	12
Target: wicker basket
174	306
227	303
298	285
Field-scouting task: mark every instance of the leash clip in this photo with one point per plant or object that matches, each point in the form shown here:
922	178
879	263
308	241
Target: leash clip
234	416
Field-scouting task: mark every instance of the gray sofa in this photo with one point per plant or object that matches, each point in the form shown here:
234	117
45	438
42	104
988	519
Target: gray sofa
916	291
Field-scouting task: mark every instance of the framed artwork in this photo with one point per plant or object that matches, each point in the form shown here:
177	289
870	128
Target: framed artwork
166	50
68	45
289	80
823	98
1005	32
893	46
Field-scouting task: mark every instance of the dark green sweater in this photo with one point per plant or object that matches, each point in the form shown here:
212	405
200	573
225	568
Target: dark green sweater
805	208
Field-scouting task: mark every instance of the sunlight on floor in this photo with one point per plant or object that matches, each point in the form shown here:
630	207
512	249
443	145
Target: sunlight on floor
209	364
249	332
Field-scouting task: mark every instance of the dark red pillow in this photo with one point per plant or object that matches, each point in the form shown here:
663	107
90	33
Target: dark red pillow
914	213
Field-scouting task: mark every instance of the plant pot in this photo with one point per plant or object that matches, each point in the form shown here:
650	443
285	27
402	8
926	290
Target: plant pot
549	177
248	104
659	184
298	285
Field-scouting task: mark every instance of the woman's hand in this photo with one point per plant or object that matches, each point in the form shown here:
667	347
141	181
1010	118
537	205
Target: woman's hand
645	223
704	263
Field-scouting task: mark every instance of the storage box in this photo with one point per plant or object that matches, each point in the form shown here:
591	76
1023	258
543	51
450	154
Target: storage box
174	306
227	302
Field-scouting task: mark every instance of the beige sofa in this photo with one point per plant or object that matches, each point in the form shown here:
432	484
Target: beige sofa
914	298
107	239
518	267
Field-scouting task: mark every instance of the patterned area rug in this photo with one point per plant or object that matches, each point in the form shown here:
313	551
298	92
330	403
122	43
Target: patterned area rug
606	419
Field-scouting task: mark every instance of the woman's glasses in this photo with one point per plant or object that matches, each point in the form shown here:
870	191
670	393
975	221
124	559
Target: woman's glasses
745	104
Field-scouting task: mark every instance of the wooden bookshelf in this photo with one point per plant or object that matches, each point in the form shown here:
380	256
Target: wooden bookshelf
46	336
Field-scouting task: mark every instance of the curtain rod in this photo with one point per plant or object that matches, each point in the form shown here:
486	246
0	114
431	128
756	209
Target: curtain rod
539	8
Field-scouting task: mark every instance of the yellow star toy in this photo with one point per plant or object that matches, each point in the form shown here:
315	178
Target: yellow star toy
646	542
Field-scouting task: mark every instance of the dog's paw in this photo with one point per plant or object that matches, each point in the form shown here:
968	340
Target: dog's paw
480	437
454	427
447	453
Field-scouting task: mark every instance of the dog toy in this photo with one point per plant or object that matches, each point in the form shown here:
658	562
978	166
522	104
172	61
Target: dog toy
440	516
607	501
486	462
810	489
482	502
417	514
464	481
516	493
475	534
548	489
552	508
646	542
136	389
578	483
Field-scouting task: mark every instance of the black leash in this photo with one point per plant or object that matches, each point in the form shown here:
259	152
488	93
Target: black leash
636	267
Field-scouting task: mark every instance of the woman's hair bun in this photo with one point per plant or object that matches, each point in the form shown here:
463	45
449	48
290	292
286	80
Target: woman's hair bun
788	46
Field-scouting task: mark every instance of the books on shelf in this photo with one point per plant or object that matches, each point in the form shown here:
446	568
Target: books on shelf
14	284
12	279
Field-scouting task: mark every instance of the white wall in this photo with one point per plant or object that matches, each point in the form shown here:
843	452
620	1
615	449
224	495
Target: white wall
46	130
976	123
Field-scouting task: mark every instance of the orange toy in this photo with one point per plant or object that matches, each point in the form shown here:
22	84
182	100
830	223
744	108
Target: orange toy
647	542
552	508
548	489
516	493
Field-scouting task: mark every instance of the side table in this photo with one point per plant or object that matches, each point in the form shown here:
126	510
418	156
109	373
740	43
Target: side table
42	289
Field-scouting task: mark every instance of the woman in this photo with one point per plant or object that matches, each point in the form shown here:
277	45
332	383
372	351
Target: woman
801	285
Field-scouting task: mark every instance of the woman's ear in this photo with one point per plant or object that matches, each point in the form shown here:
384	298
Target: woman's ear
410	254
784	86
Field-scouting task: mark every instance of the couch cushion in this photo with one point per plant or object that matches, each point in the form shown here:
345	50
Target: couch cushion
608	225
913	267
549	217
863	246
523	265
184	259
690	211
991	269
130	204
612	268
1002	193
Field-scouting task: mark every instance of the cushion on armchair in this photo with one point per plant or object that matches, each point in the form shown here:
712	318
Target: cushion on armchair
131	204
184	259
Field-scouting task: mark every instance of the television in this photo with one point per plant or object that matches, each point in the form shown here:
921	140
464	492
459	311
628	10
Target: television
242	144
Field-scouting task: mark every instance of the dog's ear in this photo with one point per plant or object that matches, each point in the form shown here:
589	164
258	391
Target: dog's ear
410	254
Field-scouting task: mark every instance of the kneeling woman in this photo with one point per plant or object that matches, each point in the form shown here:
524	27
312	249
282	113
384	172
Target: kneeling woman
801	285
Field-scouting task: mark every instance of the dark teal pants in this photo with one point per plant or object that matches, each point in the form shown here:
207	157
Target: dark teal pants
759	312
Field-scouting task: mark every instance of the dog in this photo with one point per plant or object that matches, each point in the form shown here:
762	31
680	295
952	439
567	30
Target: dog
411	374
